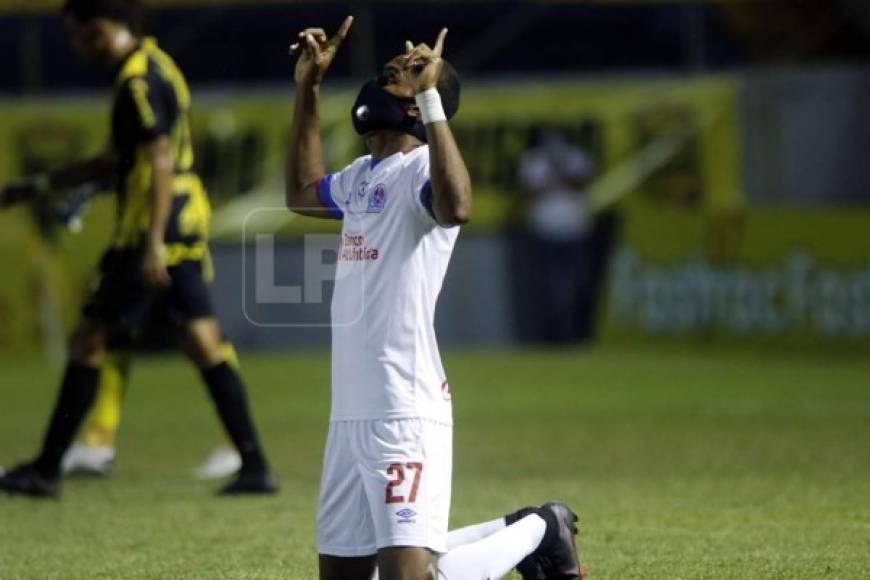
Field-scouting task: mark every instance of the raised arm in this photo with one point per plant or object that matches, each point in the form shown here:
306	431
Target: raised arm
304	165
451	184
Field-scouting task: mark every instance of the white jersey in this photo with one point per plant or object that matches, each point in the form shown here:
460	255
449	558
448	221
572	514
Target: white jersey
391	263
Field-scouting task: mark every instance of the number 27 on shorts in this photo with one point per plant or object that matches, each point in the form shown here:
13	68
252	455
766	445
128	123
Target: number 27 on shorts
397	472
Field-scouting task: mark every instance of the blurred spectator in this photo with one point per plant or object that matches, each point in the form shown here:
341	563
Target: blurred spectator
557	256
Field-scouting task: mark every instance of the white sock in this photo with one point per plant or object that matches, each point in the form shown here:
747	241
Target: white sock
496	554
474	533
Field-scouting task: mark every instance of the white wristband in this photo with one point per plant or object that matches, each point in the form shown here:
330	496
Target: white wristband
429	103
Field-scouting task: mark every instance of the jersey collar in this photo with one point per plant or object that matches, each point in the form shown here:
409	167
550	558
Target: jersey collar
390	159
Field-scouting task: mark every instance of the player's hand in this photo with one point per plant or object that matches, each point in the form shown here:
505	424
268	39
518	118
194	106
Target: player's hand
16	191
154	269
424	64
316	52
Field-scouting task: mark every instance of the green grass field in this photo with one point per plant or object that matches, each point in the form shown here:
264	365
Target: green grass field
683	464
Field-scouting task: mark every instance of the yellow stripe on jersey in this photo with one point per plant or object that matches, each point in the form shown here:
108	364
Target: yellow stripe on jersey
178	253
136	65
193	220
169	71
147	65
139	89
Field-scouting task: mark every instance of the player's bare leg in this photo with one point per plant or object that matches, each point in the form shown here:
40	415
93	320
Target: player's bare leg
203	345
336	568
41	477
406	563
88	344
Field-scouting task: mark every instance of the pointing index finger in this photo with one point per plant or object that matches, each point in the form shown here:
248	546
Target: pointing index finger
342	31
439	44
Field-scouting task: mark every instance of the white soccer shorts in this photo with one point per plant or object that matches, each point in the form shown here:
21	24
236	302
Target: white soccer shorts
385	483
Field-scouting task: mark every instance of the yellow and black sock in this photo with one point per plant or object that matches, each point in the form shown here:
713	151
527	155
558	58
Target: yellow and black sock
102	424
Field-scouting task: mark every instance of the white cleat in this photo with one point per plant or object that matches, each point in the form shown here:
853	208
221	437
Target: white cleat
88	460
223	462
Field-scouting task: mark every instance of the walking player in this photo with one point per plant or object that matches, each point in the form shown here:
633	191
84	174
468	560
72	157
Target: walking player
158	260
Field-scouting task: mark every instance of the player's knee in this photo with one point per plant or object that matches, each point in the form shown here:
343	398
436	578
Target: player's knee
209	359
203	343
205	356
430	573
87	345
336	568
407	564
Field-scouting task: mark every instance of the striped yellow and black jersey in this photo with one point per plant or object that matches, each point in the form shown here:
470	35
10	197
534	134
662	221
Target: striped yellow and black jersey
151	99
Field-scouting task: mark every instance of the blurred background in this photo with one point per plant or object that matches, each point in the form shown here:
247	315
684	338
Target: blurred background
659	313
643	171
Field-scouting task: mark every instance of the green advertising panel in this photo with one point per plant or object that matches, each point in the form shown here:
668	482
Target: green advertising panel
666	155
793	277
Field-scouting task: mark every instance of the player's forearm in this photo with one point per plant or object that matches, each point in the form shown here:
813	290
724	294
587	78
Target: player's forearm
161	207
160	195
451	184
57	182
80	173
304	157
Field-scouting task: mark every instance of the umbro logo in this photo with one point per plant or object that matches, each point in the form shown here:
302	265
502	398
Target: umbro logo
406	516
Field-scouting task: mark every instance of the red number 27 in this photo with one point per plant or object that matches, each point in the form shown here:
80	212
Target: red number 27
397	472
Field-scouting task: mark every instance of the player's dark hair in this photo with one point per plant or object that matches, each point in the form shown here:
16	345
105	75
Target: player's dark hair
127	11
449	89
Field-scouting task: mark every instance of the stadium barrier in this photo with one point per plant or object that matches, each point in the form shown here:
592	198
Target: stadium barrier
668	156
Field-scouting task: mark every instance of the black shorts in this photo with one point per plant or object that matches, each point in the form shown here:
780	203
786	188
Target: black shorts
125	305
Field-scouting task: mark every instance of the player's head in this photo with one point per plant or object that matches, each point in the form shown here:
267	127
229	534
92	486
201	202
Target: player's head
101	29
387	102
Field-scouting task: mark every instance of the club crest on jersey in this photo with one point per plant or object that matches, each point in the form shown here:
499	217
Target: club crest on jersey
377	199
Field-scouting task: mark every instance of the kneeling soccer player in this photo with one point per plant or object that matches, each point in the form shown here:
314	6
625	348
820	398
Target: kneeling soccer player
385	488
159	254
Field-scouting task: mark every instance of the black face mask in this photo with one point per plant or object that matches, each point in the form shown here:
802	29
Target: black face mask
377	109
